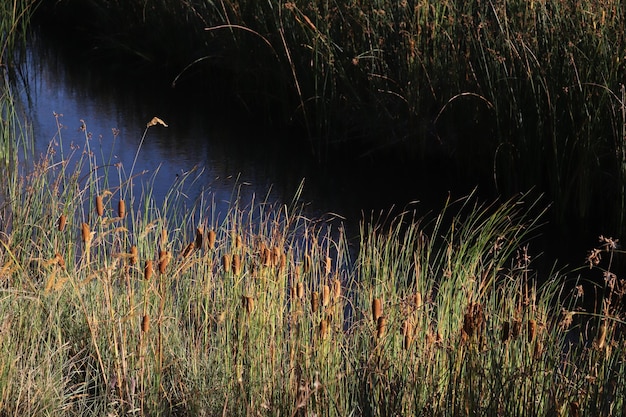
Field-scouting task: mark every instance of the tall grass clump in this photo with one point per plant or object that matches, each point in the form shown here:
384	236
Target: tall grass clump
178	309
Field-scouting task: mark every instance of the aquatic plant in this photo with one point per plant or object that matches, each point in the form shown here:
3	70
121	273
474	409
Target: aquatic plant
174	309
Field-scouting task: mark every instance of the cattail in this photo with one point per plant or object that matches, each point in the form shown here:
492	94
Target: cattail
336	289
61	222
145	323
417	300
85	233
328	265
236	264
199	238
300	290
307	263
505	332
377	309
323	330
99	206
381	323
121	209
238	242
282	263
517	328
532	329
325	295
226	262
164	258
247	303
163	237
275	255
147	270
407	332
266	256
133	255
211	239
315	301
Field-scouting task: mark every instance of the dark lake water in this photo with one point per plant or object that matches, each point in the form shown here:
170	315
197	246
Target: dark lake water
229	149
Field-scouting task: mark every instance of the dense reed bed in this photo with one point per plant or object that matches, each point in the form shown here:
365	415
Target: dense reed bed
514	94
112	305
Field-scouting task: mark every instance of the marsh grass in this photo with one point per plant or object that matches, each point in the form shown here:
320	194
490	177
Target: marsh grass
437	315
106	311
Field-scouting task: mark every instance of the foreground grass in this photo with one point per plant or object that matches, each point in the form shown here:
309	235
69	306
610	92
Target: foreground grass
112	305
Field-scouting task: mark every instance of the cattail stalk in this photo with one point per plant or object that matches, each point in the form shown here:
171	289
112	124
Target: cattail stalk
85	233
236	264
121	209
145	323
199	238
62	222
211	239
148	270
99	206
377	309
315	301
325	295
381	324
134	257
164	258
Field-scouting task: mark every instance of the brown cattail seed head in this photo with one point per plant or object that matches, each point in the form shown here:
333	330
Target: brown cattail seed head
164	258
145	323
532	329
307	263
300	290
266	256
134	257
163	237
199	238
238	242
211	239
517	328
381	323
282	263
121	209
325	295
336	289
85	233
417	300
236	264
99	206
407	332
61	222
328	265
323	328
315	301
226	262
247	303
377	309
147	270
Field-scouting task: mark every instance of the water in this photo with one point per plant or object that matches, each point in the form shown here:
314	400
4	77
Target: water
231	151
